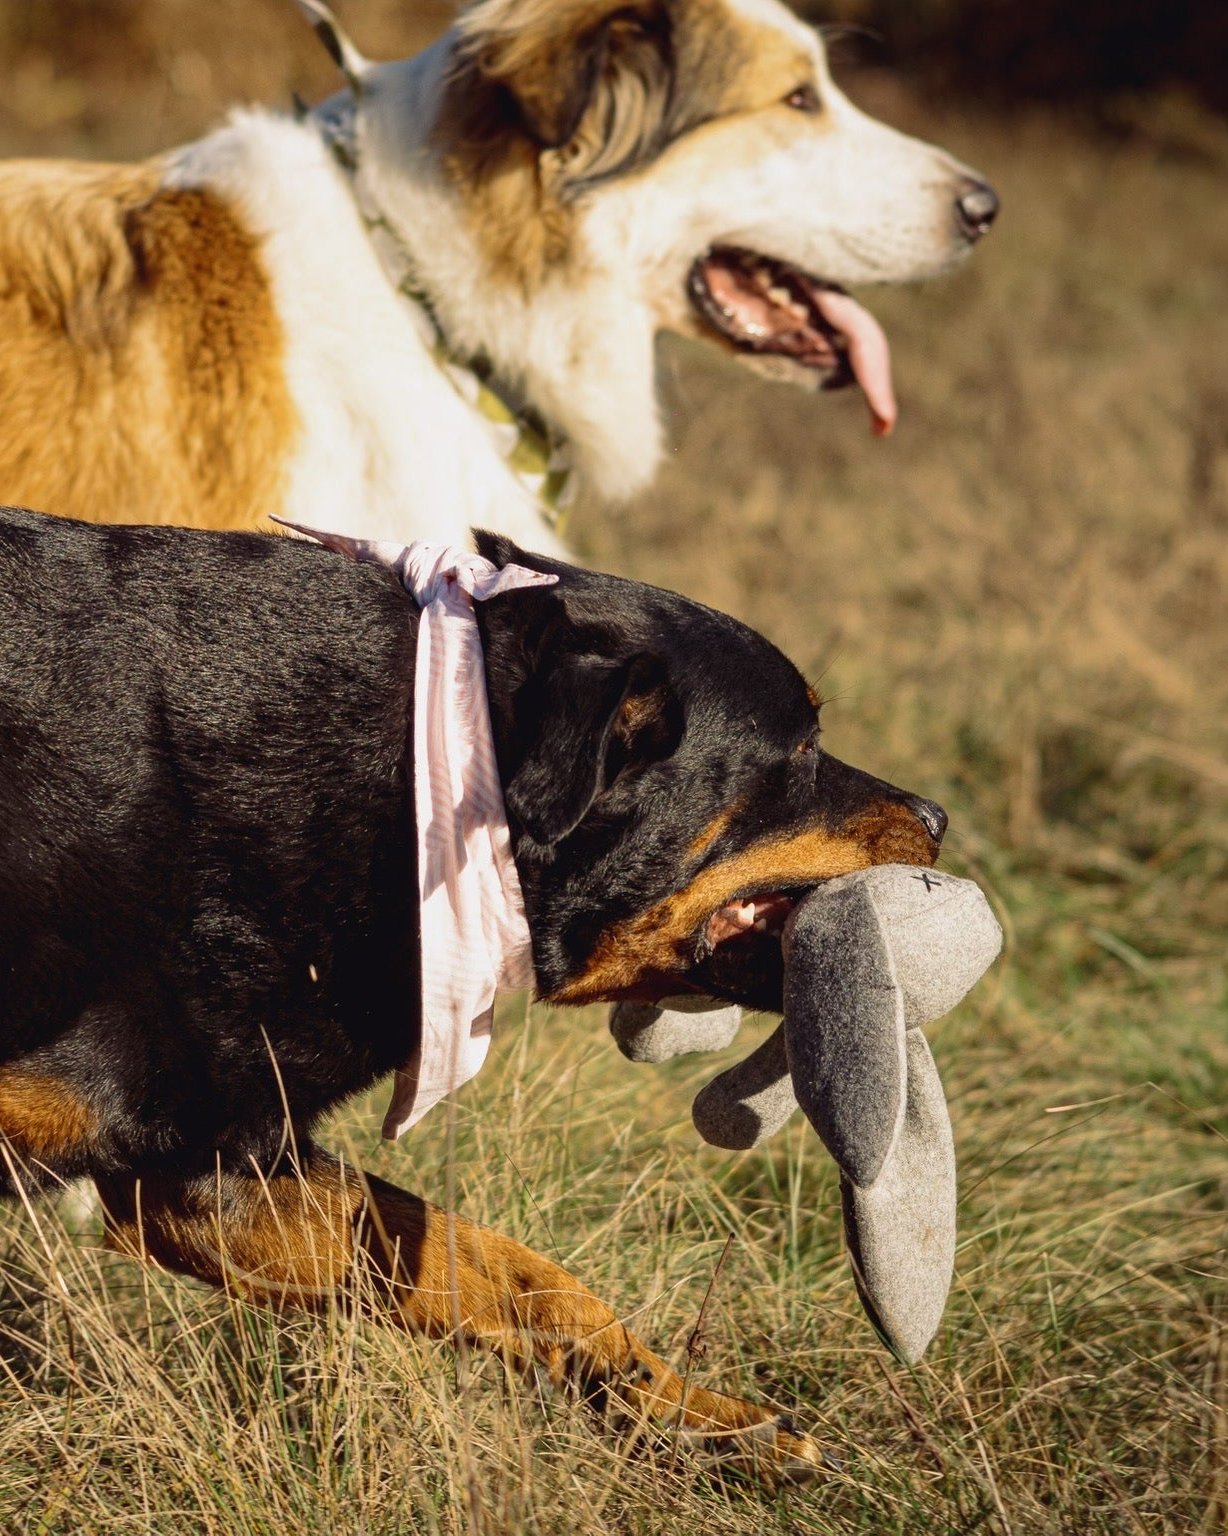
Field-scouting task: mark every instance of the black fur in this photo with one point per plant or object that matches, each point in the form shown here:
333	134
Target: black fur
207	883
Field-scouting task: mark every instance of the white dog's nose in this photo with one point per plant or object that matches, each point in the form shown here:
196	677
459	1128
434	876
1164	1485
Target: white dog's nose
977	206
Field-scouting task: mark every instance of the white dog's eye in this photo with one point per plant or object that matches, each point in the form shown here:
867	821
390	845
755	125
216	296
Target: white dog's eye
804	99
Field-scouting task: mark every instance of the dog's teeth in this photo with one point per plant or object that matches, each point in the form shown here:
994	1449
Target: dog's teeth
780	295
761	925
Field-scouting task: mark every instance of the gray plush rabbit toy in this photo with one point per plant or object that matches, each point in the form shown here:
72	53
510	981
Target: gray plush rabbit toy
869	959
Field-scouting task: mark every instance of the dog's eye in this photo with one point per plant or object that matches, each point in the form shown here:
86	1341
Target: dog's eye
804	99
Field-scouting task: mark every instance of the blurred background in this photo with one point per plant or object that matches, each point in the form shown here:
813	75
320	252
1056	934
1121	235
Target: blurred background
1018	605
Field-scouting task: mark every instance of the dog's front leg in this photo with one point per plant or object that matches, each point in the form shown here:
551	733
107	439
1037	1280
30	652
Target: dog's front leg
296	1237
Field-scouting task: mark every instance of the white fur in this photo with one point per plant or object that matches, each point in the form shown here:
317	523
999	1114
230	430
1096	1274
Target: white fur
582	355
387	448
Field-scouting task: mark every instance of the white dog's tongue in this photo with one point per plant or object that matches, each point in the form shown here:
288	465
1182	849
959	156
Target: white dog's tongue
773	308
868	352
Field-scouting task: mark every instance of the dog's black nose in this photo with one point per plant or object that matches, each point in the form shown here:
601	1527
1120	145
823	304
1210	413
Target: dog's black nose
930	814
977	207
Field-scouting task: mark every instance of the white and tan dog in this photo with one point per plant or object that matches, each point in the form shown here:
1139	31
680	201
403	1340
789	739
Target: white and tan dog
269	321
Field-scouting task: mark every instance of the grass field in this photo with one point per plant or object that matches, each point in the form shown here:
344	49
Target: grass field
1016	606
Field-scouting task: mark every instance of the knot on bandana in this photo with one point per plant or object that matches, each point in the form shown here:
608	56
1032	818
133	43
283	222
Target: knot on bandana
475	938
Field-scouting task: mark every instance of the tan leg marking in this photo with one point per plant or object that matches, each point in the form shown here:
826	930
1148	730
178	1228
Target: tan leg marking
294	1239
42	1121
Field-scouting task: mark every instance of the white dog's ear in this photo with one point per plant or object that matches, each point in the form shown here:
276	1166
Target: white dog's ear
341	50
590	80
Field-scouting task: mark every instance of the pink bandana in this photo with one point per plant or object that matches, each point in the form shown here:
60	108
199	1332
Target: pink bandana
475	938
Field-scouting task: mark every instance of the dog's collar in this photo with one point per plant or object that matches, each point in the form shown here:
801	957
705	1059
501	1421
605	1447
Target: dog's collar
535	455
474	939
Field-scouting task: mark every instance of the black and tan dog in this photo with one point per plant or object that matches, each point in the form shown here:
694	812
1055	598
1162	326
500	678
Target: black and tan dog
207	894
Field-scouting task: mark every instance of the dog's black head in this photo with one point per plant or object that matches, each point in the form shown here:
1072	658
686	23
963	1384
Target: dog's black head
667	794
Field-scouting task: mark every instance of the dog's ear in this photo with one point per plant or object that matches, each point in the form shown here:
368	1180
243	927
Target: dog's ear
590	80
341	50
496	547
502	551
585	724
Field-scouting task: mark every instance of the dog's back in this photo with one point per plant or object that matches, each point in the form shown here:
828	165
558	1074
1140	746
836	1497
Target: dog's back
175	708
138	326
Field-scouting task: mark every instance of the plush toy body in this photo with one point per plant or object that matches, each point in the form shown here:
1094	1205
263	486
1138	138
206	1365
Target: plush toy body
869	958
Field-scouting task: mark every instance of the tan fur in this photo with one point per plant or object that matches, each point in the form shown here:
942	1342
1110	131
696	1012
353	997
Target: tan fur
141	350
525	120
657	946
486	152
540	51
41	1119
727	63
719	823
300	1238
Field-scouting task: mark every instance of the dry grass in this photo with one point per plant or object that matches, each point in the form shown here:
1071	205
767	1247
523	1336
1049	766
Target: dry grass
1017	606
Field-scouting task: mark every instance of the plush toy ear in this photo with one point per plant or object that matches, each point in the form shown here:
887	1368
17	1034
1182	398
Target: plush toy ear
844	1028
586	722
901	1232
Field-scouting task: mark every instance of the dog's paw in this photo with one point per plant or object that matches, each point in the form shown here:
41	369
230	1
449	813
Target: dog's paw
774	1451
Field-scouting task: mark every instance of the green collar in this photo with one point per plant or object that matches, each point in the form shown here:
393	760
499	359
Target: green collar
536	456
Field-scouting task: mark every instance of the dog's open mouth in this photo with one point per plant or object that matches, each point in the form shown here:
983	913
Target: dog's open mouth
738	954
767	307
750	914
